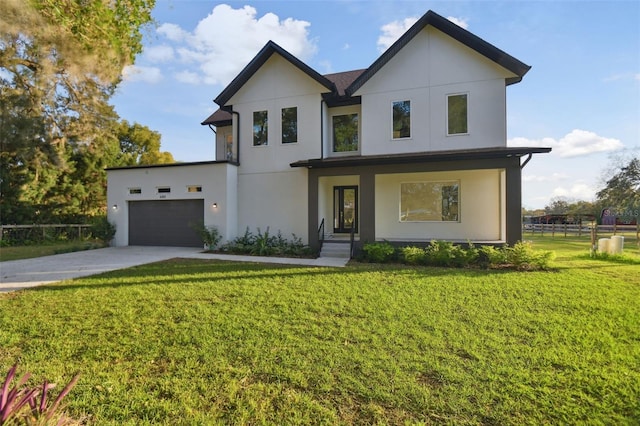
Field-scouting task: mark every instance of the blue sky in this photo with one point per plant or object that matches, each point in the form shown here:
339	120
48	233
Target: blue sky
581	97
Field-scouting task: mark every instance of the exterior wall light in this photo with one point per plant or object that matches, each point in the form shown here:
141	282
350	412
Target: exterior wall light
215	205
115	207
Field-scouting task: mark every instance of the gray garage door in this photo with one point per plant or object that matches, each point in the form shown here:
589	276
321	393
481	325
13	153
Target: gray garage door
165	223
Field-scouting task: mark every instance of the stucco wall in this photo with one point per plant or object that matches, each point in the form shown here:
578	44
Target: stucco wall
277	85
481	204
275	200
425	71
217	182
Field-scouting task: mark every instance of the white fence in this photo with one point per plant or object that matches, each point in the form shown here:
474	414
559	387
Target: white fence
563	229
21	233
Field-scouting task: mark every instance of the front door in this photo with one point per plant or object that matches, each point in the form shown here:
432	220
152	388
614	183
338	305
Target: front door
345	209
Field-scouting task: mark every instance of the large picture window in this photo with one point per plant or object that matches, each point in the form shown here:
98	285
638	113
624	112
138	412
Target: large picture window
345	133
430	202
290	125
401	119
260	128
457	114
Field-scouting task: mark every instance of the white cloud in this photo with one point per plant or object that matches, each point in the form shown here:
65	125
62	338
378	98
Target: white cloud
161	53
393	31
461	22
188	77
227	39
577	143
554	177
577	191
629	76
173	32
150	75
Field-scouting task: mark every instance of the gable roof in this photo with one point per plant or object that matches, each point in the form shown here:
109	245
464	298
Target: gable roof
341	81
452	30
265	53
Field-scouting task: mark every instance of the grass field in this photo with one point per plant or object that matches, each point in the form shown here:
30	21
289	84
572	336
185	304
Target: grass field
46	249
210	342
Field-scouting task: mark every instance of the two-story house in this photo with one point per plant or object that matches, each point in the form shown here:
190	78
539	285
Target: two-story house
412	148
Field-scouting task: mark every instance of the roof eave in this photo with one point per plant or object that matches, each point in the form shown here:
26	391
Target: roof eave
420	157
252	67
456	32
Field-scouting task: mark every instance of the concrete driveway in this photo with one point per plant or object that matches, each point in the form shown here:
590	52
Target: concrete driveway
20	274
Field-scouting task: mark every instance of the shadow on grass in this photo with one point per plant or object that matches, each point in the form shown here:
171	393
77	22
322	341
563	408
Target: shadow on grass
197	271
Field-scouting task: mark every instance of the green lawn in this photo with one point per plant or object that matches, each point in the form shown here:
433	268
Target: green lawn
211	342
46	249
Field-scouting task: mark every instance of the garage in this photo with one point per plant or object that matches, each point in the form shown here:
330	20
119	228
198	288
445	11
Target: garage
165	222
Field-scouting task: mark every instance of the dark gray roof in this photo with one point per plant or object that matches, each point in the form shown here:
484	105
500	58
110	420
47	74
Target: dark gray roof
458	33
419	157
219	118
265	53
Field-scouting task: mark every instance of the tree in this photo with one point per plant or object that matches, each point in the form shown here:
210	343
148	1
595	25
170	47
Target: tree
140	145
622	191
60	61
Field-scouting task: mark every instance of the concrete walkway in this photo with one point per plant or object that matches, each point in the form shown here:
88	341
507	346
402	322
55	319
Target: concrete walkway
20	274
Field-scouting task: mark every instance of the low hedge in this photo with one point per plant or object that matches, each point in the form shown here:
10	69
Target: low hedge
521	256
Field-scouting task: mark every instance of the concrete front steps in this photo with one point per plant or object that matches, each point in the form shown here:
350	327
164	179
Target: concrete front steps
336	249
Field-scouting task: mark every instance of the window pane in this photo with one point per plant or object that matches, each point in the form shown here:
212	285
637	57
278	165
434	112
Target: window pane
345	133
429	201
289	125
260	127
457	114
401	119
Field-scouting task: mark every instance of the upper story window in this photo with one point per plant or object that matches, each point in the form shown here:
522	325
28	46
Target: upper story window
194	188
164	189
135	191
228	146
430	202
345	133
290	125
457	114
401	119
260	128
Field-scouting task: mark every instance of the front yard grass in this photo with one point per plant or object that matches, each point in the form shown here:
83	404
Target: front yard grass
46	249
211	342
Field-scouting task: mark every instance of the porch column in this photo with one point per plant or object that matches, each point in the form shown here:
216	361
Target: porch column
514	203
312	209
367	207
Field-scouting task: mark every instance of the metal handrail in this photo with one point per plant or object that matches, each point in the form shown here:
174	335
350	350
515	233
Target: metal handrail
321	234
352	237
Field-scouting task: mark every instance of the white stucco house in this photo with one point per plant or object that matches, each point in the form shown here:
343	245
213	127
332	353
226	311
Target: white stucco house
412	148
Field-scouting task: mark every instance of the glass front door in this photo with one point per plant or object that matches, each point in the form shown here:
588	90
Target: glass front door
345	209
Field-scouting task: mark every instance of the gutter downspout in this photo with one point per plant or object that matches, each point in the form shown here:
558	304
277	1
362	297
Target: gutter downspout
321	129
230	110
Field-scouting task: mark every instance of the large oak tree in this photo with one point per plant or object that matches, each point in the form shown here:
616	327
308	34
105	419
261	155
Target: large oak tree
60	61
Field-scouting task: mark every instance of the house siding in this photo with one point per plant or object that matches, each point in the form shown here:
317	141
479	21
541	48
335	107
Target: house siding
429	68
218	186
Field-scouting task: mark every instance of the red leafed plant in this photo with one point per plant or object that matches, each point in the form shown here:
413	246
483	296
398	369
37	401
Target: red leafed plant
19	405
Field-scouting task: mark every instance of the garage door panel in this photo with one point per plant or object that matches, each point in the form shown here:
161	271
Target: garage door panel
165	222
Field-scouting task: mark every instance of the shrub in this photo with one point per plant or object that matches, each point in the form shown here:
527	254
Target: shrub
378	252
413	255
210	235
21	405
102	229
264	244
440	253
520	256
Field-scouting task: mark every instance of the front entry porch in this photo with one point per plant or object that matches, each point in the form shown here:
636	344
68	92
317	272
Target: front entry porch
486	185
